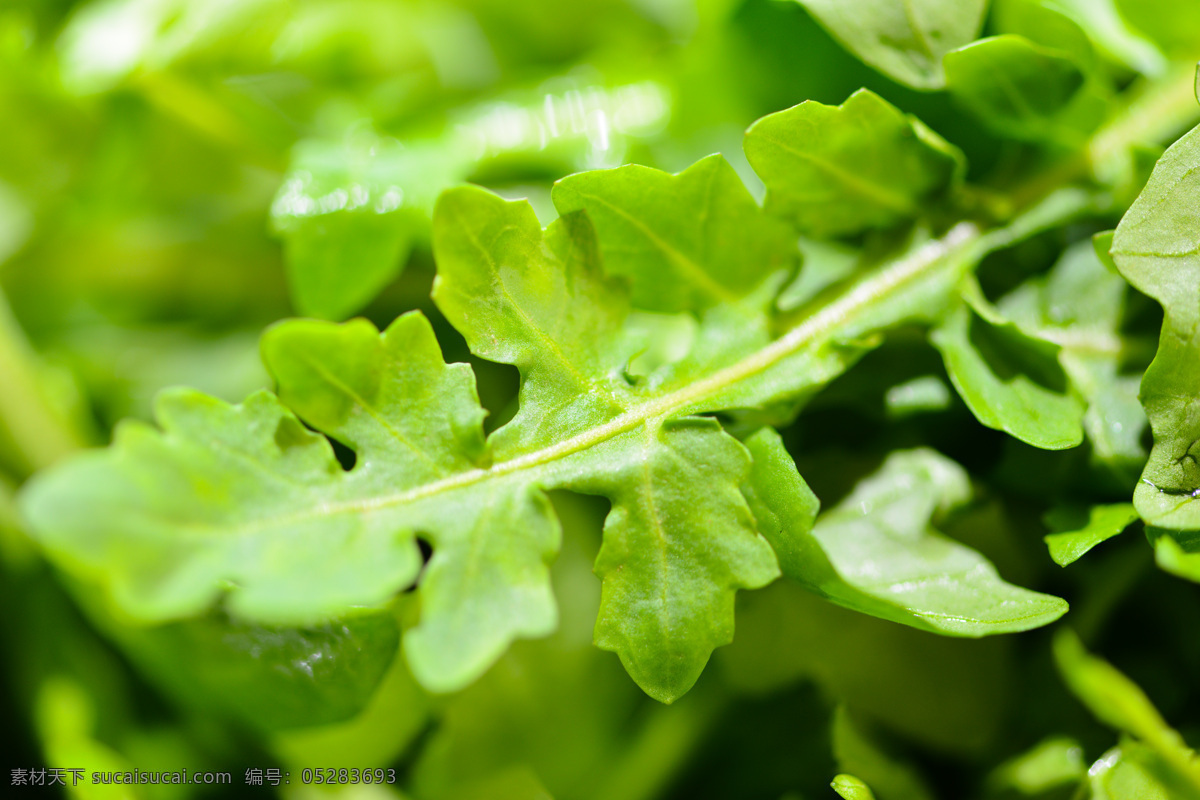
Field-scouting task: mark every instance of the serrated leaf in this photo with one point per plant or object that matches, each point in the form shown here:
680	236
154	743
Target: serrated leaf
216	469
243	505
903	39
1010	381
543	305
646	221
679	533
1157	249
877	551
838	170
1079	530
1019	89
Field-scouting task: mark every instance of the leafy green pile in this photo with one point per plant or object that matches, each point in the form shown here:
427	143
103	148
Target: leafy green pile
855	359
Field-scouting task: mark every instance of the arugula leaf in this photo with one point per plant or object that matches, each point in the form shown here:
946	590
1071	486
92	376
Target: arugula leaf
1155	248
903	39
644	221
1078	531
826	263
838	170
876	551
1079	305
1010	381
244	505
349	213
1018	88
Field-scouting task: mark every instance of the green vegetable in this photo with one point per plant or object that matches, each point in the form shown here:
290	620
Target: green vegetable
1076	532
1153	247
632	399
844	169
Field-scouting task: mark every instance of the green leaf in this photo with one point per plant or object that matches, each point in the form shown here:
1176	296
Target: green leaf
922	394
903	39
542	304
849	787
1046	23
1130	772
857	754
1010	381
1078	530
1049	765
349	213
1118	702
1175	552
1157	249
1018	89
645	221
839	170
267	678
243	505
1079	306
877	552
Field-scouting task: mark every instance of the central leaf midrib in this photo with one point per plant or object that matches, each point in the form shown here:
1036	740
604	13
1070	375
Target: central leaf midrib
694	272
860	297
872	192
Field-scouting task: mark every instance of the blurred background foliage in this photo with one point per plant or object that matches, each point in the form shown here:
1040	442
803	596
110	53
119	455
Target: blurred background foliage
177	174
